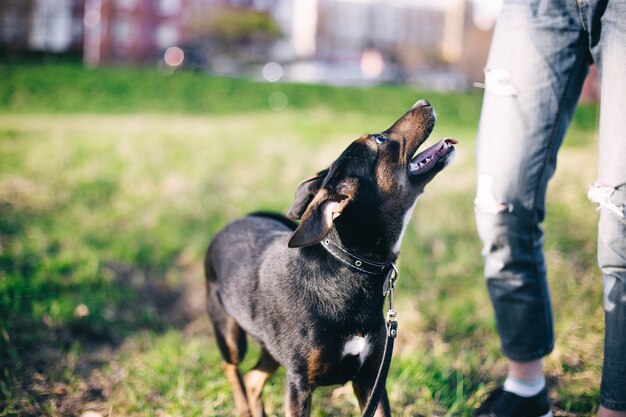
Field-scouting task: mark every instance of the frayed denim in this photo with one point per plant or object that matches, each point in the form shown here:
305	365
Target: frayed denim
539	58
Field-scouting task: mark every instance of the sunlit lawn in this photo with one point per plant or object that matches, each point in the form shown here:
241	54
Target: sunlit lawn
104	217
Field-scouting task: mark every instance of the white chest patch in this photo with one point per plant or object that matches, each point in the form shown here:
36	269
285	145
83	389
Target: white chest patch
405	223
357	346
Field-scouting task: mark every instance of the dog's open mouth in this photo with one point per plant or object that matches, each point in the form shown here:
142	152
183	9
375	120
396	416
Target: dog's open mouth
428	159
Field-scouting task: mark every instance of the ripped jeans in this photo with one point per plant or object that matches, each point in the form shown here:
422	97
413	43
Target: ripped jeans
539	58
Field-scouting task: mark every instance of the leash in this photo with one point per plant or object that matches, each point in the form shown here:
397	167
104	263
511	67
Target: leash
373	268
392	332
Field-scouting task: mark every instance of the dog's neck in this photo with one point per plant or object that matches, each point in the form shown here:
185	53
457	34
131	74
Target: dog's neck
354	261
365	239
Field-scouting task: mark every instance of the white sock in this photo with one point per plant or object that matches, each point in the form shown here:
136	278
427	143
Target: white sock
522	387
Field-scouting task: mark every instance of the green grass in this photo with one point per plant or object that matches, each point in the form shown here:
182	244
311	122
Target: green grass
69	88
112	182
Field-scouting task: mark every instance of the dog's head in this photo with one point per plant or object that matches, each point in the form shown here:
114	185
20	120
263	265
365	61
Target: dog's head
373	184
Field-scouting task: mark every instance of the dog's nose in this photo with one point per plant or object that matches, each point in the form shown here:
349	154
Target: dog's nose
422	103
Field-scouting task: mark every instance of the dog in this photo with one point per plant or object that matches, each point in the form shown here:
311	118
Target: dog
311	294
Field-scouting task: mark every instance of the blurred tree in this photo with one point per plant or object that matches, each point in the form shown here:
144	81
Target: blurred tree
241	33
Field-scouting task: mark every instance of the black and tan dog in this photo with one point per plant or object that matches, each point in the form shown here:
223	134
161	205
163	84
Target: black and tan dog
312	294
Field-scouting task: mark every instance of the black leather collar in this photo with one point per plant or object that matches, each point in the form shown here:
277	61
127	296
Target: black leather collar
353	261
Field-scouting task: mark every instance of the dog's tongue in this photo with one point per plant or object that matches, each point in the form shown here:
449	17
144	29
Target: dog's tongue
427	159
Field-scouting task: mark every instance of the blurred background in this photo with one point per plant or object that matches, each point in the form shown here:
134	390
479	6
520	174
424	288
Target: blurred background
435	44
441	44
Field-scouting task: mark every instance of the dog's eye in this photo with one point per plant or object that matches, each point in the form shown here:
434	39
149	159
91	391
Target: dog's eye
380	139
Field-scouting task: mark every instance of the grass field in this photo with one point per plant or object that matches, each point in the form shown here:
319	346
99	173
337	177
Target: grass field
113	181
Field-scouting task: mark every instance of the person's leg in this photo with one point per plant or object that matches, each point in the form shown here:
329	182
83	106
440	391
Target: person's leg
526	371
605	412
610	193
533	79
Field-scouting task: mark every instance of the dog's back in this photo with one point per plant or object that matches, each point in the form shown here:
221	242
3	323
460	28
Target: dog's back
242	240
235	257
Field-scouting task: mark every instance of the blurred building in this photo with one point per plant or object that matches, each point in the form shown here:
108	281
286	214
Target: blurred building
441	44
56	25
122	30
131	31
42	25
409	31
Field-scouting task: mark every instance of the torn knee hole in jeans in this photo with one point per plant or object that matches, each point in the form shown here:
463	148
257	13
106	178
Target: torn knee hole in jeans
485	201
609	284
604	196
498	81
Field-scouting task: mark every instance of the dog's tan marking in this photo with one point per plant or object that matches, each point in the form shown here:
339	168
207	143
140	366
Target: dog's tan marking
367	141
231	341
384	173
316	366
384	176
255	379
234	378
254	382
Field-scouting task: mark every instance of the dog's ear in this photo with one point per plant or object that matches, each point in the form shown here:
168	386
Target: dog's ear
304	194
325	207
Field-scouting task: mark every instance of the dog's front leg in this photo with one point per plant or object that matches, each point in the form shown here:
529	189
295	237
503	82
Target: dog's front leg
364	381
363	391
298	395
